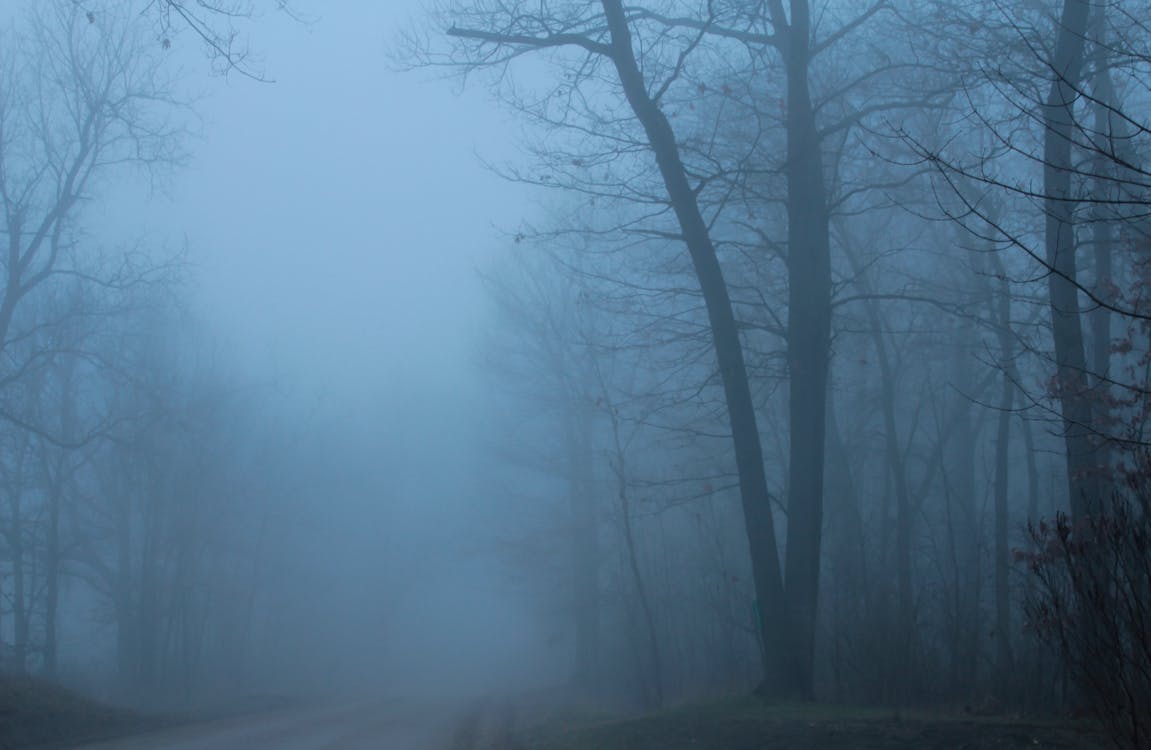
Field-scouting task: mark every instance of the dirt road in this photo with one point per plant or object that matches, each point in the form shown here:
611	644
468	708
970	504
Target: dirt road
378	725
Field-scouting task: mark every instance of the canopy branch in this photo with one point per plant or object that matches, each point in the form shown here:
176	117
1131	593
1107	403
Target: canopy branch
537	42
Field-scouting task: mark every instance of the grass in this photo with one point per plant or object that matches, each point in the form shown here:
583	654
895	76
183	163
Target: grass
34	713
752	724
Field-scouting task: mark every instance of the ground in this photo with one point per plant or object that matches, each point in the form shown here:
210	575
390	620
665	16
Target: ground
751	724
35	715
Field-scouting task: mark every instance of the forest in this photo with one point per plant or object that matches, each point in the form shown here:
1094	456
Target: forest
575	373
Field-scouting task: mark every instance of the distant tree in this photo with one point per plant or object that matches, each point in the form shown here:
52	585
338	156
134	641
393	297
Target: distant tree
537	351
216	24
82	99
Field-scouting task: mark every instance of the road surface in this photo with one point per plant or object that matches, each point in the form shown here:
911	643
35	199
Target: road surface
378	725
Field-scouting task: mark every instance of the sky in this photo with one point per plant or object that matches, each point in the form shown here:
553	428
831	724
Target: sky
338	215
337	219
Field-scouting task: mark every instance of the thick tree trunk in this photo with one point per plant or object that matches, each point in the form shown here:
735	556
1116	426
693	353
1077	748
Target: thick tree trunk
809	342
748	450
1072	386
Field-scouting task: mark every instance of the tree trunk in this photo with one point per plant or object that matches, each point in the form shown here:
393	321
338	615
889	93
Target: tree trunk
57	489
584	546
127	644
1112	132
1003	659
21	605
964	530
1002	308
900	670
760	525
52	571
1072	387
808	342
654	692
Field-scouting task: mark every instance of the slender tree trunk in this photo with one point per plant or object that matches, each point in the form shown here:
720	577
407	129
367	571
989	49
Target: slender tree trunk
851	552
655	660
52	571
584	546
1037	654
150	626
1002	554
897	474
760	526
967	533
1003	659
847	552
21	605
1112	133
1002	307
655	685
58	484
127	644
1032	466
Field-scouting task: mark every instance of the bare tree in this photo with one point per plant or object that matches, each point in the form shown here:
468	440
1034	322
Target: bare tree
82	98
492	34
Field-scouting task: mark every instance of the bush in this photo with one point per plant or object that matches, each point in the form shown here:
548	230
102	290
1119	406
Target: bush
1091	602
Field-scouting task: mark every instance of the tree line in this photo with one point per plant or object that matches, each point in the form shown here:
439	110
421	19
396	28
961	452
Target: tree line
862	285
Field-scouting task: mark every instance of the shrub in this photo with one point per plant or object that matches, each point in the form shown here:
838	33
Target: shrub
1091	602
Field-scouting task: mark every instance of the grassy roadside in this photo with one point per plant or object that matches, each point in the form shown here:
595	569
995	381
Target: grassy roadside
34	713
751	724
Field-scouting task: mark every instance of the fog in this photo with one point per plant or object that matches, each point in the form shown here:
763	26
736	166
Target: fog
335	220
434	368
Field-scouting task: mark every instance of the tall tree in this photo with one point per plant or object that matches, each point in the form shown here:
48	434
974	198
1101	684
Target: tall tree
493	32
1072	386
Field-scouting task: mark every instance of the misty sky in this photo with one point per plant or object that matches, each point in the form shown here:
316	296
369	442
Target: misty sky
338	215
337	219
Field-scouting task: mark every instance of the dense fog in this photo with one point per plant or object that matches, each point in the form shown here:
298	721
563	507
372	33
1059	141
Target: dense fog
610	357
